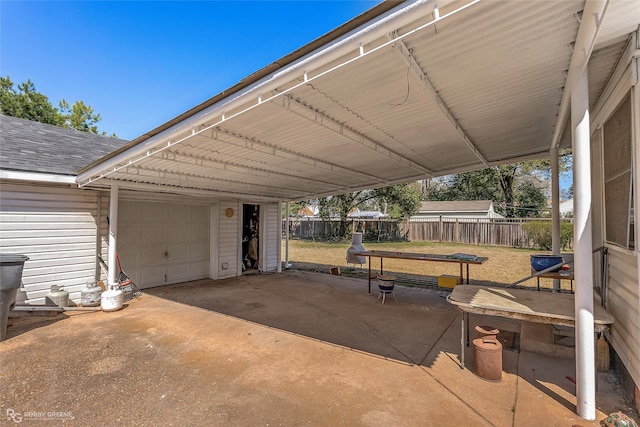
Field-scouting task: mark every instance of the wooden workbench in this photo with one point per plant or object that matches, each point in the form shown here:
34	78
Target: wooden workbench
455	258
531	306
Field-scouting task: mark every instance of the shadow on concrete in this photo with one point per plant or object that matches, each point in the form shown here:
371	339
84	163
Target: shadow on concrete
21	322
328	308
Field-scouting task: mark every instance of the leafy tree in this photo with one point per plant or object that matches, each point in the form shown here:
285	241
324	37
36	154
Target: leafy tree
25	102
530	201
79	116
398	201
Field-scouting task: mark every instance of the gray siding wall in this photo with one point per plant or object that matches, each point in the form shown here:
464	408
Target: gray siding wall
56	228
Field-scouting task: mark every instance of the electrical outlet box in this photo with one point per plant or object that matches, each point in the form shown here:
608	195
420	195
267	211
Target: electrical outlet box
225	265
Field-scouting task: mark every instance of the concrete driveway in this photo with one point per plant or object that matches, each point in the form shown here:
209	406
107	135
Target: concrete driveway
286	349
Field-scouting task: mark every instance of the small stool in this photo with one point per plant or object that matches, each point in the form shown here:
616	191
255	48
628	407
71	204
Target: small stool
385	285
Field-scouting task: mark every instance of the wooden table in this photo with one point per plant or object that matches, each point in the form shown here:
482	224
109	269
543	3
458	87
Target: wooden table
531	306
422	257
560	275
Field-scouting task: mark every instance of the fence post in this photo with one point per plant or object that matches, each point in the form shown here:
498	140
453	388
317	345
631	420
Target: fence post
440	228
457	231
478	231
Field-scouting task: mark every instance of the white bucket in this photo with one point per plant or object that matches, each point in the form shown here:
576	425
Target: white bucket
112	299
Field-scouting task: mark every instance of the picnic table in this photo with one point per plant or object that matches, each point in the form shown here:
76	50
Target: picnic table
462	259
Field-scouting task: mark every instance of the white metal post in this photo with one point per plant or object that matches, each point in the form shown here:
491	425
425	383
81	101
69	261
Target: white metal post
286	246
555	208
584	330
113	234
279	266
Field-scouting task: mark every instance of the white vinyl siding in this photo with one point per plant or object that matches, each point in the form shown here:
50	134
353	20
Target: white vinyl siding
56	228
270	236
228	240
623	288
623	302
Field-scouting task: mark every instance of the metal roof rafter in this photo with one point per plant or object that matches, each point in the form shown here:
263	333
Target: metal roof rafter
417	71
209	162
333	125
293	155
195	178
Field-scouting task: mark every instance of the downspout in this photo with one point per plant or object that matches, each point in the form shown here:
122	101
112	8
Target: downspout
113	234
347	44
555	209
584	329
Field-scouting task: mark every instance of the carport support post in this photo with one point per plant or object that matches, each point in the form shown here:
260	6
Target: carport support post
555	208
113	234
286	246
584	329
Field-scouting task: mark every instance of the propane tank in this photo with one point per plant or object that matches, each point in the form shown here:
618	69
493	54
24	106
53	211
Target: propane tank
90	295
112	299
57	296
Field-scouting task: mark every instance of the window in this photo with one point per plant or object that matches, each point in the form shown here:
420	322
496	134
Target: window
618	190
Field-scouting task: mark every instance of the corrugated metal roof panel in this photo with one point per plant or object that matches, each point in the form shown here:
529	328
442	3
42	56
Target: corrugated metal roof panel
482	86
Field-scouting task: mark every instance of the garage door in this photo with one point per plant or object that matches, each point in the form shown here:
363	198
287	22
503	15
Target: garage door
161	244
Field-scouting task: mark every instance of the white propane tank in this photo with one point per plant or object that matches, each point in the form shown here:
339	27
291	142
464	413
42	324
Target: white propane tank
57	296
90	295
112	299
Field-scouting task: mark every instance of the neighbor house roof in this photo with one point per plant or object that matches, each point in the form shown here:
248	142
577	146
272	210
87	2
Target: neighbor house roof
28	146
456	206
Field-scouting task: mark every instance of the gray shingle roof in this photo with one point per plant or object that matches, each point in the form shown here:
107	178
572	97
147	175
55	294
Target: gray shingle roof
456	205
29	146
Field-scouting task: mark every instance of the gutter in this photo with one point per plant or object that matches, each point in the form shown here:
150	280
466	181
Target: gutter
346	39
37	177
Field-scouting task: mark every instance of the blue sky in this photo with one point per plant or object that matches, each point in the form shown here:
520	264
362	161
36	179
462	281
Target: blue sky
141	63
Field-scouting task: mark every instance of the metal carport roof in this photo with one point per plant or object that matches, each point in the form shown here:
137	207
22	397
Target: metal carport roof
403	92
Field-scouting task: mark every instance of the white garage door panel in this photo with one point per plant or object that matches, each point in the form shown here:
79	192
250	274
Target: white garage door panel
160	244
199	249
178	252
178	233
200	269
151	254
150	276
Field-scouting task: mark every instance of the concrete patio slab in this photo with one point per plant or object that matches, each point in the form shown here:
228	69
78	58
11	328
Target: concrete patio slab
282	349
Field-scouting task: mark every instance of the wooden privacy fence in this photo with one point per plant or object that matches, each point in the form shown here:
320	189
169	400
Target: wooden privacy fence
373	230
495	232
